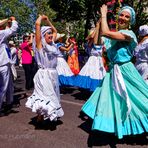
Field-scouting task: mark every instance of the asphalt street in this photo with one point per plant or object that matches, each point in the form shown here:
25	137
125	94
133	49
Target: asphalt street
18	129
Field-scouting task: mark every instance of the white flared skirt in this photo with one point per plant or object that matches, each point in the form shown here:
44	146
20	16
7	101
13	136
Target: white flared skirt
45	99
91	74
65	75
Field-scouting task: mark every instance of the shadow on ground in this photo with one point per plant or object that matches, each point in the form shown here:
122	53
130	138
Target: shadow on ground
67	89
82	94
7	109
45	124
17	98
98	138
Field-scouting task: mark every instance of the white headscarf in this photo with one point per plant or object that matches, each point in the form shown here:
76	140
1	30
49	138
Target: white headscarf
44	29
143	30
131	11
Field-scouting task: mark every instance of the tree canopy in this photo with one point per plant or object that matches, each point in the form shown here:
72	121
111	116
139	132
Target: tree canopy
76	16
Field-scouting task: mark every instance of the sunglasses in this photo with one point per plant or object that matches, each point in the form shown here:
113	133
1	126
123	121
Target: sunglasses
49	33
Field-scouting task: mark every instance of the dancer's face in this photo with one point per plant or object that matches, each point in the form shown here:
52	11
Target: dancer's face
49	36
124	20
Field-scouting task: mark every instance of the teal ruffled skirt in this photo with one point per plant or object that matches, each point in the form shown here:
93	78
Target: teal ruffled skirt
108	109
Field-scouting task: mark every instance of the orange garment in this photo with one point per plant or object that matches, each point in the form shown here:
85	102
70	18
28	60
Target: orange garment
73	61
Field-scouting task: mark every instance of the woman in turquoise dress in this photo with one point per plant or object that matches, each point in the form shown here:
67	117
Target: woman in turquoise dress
120	105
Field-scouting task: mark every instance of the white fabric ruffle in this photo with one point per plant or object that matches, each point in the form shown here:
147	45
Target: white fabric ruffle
45	99
63	68
119	87
94	68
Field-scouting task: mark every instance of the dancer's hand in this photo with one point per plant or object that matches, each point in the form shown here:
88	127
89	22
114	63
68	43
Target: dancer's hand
12	18
39	19
103	10
72	42
44	17
9	22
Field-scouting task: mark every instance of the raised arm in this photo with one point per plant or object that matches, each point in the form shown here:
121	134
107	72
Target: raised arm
38	32
66	48
92	34
97	33
3	21
105	29
31	39
69	46
11	28
67	43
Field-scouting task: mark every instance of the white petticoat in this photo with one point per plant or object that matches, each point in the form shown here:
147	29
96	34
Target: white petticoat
143	70
65	74
93	68
63	68
45	99
91	75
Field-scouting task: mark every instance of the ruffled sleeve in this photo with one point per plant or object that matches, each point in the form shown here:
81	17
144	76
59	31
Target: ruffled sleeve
131	34
59	45
108	43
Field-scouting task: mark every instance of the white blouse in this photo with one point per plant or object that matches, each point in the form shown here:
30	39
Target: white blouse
5	55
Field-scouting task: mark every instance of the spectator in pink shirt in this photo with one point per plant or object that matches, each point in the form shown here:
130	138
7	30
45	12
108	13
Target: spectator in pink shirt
26	48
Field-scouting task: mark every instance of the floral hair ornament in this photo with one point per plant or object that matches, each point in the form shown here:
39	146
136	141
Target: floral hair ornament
131	11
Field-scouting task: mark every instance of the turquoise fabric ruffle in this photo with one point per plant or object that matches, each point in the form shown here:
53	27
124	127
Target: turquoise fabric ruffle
107	108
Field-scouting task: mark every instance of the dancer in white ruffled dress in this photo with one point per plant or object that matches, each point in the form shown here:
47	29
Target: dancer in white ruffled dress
93	72
141	53
45	100
66	76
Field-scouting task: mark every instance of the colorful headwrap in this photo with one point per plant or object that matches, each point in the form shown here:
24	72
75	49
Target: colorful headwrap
143	30
131	11
44	29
